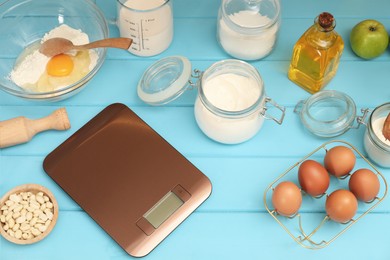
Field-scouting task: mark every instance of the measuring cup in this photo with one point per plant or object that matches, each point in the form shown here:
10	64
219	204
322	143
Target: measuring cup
148	23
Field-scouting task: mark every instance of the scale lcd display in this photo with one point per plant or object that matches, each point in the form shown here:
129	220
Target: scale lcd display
163	209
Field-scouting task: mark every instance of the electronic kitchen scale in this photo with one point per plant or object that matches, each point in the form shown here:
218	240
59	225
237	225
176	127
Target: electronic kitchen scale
131	181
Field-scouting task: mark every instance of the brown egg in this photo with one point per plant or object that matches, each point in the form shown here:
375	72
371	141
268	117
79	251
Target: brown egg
339	161
341	206
287	198
313	178
364	184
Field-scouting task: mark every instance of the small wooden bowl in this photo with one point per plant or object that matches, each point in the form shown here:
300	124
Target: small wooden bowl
34	188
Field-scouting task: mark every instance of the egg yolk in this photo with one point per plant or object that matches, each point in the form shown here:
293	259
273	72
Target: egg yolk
60	65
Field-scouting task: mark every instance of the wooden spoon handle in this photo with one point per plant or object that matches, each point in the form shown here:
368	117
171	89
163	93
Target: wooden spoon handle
121	43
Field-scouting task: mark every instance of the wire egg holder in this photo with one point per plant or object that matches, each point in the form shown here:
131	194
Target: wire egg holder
297	232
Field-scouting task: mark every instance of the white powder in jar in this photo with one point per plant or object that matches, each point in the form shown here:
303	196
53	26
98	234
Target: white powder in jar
229	92
377	127
32	64
151	28
376	153
244	45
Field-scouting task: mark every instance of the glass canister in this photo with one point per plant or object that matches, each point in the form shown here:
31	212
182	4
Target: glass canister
247	29
329	113
231	104
148	23
375	143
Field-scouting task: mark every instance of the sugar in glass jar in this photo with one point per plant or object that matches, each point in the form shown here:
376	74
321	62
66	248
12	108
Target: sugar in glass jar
247	29
375	143
231	104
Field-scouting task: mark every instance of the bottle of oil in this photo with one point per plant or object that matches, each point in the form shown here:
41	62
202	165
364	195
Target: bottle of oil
316	55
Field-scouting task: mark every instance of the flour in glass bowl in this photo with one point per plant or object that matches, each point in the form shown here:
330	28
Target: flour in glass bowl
31	64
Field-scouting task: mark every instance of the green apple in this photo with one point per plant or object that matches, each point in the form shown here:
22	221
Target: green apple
369	39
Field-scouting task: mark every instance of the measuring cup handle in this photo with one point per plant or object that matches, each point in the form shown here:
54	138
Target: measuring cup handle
281	108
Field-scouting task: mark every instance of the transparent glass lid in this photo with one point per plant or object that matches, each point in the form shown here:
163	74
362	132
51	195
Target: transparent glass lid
164	80
327	113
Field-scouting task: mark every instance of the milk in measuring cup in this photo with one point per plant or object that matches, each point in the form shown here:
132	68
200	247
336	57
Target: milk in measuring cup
148	23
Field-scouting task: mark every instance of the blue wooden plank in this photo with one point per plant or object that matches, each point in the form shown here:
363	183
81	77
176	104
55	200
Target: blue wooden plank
290	9
184	134
364	81
238	183
206	236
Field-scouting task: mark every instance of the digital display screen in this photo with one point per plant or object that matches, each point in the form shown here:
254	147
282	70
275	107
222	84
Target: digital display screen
163	209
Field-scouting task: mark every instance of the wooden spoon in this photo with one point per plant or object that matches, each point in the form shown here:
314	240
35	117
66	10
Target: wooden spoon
55	46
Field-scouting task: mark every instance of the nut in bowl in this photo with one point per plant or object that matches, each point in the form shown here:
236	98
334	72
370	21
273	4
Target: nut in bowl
24	25
28	213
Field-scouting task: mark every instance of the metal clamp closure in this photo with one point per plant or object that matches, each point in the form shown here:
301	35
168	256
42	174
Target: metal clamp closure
197	74
361	119
273	103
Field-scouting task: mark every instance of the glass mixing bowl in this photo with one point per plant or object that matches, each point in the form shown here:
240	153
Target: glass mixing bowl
23	22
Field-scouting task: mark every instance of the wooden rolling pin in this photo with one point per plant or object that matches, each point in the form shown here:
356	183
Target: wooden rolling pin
21	129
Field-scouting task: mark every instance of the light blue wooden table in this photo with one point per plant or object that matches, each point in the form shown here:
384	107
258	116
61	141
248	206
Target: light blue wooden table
233	223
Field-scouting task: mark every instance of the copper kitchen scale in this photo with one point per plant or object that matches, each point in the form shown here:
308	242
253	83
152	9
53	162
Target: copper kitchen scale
131	181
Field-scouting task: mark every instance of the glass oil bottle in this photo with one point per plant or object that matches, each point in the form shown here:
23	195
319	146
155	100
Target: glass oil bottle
316	55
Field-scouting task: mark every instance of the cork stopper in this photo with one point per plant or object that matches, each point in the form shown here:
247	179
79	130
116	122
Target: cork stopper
326	20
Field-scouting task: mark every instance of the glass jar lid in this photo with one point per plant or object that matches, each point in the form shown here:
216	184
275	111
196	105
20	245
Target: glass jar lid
164	80
327	113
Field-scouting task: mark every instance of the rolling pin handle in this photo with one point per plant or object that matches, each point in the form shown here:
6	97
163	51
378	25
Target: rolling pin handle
21	129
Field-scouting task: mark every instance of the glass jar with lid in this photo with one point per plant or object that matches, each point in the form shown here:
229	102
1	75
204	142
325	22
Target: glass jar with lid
247	29
330	113
231	104
375	143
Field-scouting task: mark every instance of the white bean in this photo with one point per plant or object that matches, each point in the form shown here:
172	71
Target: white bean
18	208
16	227
35	232
42	228
11	223
8	216
25	227
15	198
40	199
16	215
49	205
33	221
18	234
29	216
9	203
43	217
21	219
